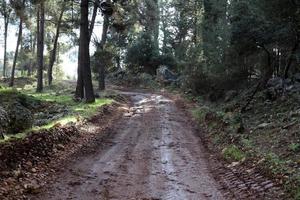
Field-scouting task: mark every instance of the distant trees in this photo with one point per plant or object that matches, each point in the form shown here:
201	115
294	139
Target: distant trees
55	44
224	41
40	44
19	7
100	50
218	42
5	11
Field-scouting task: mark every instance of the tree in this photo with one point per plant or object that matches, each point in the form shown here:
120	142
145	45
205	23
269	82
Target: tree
19	8
40	44
84	88
100	50
55	44
5	11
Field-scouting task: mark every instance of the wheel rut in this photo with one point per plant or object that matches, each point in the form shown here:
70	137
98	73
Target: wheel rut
154	155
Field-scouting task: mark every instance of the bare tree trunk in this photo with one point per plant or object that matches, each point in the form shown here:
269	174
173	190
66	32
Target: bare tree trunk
6	20
101	70
84	60
291	58
79	93
54	50
156	24
269	70
40	47
95	10
12	78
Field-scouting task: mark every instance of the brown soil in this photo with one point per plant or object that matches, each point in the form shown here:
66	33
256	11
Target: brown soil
153	154
28	165
148	151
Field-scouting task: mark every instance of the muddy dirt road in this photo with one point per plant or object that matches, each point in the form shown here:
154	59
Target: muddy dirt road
154	154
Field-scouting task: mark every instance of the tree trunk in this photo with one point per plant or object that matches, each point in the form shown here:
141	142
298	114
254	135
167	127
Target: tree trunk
6	20
101	70
84	60
269	70
118	60
79	93
40	47
12	78
54	50
156	24
95	10
291	58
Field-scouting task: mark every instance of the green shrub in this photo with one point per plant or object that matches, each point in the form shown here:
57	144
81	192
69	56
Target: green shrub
295	147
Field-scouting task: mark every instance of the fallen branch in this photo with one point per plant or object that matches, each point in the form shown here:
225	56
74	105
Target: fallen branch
244	108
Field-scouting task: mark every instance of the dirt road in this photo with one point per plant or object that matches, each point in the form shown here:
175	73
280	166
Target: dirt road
154	154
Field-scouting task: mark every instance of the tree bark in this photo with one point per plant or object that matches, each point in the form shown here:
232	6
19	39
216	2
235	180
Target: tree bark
54	50
12	78
269	70
156	24
79	93
84	54
6	21
92	24
101	70
291	58
40	47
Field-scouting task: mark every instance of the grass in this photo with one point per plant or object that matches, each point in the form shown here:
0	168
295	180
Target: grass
199	113
295	147
76	110
274	149
233	153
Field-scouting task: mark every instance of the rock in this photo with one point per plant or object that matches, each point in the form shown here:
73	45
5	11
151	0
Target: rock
17	173
29	163
296	77
288	81
295	88
21	118
130	114
5	173
165	75
60	147
32	188
4	122
295	114
276	83
263	125
230	95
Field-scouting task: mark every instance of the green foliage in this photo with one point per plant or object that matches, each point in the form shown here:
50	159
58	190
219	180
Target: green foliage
200	113
75	108
295	147
233	153
103	57
142	54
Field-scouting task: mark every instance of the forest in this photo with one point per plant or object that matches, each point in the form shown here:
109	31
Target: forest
153	99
